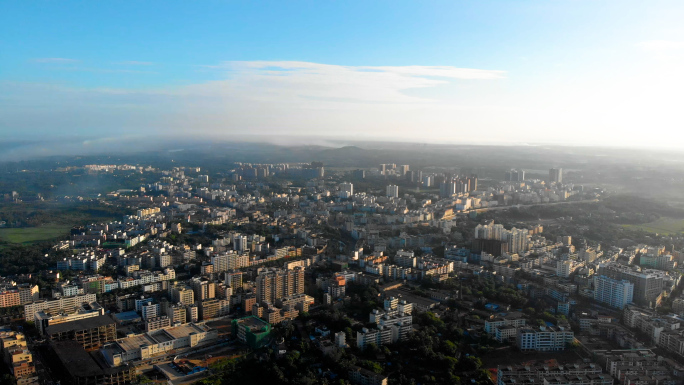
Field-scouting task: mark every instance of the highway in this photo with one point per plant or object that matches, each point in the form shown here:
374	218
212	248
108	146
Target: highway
531	204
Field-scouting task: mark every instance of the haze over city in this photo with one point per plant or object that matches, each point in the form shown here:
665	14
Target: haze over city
489	72
227	192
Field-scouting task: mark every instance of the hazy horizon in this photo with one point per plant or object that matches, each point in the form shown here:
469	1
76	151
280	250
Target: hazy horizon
30	149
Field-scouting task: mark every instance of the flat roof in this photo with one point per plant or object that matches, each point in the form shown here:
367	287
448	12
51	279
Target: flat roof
160	335
135	342
80	363
127	316
75	359
81	324
253	323
183	330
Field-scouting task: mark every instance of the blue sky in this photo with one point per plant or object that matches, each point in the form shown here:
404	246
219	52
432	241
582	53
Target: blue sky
574	72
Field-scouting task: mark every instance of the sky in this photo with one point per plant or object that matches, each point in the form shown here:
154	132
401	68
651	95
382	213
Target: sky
569	72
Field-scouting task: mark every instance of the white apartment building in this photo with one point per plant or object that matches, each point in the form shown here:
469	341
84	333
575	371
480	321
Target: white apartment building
493	324
392	191
565	268
393	325
346	190
66	304
544	338
615	293
405	258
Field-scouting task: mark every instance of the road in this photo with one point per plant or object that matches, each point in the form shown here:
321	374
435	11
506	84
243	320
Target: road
533	204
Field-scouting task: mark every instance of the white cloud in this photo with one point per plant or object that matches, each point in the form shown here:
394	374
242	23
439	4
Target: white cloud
441	71
259	97
289	81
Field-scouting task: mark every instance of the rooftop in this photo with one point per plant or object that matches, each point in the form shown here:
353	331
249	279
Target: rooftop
82	324
126	316
75	359
253	323
161	335
134	342
80	363
183	330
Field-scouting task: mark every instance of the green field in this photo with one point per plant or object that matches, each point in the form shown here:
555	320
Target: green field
33	234
663	225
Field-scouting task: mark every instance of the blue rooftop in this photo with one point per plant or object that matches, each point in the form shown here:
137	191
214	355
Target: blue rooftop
126	316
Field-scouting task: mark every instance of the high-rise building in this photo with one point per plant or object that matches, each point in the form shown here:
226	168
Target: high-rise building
392	191
233	279
313	170
220	262
515	175
164	260
359	174
204	289
212	308
613	292
472	183
240	243
238	260
346	190
157	323
148	309
340	340
648	284
27	293
447	189
517	240
565	268
175	312
556	175
275	284
182	294
567	240
192	313
10	298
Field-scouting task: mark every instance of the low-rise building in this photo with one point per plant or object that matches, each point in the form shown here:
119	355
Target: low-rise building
361	376
513	319
91	333
252	331
140	347
393	326
544	338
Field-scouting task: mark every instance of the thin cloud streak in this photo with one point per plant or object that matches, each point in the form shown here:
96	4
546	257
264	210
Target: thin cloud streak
289	82
259	97
308	67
